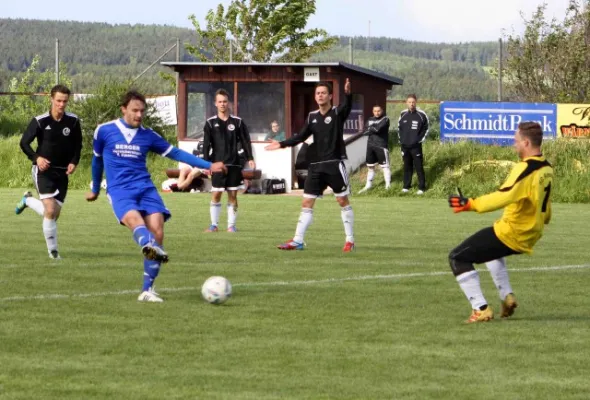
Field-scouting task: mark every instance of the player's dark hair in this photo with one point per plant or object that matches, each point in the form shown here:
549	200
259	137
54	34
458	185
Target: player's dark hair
378	105
222	92
412	96
324	84
532	131
132	95
60	89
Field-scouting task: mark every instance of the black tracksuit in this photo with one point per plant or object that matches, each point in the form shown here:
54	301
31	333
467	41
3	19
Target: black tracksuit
412	131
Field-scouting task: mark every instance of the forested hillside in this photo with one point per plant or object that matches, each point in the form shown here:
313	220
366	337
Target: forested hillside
92	51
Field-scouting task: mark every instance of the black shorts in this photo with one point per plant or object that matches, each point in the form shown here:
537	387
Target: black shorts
230	181
481	247
377	155
52	182
324	174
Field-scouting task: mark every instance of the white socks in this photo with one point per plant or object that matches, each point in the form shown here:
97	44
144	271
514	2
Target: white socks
370	177
348	220
35	205
499	274
50	232
305	220
232	214
469	283
215	210
387	176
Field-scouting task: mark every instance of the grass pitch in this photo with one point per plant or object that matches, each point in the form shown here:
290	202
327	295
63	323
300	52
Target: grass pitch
384	322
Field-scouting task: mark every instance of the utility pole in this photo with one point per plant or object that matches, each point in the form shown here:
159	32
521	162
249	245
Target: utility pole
350	57
369	38
56	61
500	69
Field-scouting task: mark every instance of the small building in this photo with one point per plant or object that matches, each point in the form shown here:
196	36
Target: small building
261	93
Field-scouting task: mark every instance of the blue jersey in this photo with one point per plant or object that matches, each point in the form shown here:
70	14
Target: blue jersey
124	151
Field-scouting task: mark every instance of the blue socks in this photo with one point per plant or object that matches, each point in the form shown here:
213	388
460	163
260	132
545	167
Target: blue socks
151	269
142	235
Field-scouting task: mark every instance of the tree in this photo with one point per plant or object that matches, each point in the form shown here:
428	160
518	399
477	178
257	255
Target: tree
550	62
260	31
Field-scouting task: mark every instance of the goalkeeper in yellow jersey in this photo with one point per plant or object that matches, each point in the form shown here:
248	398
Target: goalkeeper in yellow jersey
525	197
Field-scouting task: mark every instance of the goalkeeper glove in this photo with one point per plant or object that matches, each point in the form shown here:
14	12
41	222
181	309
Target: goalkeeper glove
459	203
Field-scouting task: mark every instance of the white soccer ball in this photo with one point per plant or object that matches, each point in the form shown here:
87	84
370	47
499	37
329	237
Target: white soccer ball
216	290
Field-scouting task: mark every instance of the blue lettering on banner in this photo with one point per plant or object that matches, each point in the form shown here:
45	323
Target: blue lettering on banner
493	123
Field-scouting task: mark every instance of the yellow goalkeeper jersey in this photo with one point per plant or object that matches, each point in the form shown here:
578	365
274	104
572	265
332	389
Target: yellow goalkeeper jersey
526	199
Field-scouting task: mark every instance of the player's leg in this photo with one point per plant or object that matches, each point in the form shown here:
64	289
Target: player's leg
50	215
313	188
152	209
217	189
127	210
418	158
337	178
479	248
500	277
233	181
371	160
52	186
383	160
28	200
408	169
151	268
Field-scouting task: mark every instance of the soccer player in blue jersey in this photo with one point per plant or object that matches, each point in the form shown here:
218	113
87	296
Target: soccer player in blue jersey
120	149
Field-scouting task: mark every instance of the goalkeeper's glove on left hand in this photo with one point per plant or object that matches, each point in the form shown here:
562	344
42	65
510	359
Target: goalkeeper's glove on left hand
459	203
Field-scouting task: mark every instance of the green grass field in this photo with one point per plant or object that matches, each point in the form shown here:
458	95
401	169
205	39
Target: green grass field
385	322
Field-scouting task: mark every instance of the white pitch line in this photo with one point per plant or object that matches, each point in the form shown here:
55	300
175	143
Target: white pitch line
282	283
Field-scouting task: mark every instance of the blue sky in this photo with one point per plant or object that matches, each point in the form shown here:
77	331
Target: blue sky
423	20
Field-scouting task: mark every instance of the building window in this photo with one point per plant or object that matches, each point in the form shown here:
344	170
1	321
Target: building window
261	104
201	105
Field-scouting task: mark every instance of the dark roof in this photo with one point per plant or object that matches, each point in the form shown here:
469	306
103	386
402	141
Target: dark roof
391	79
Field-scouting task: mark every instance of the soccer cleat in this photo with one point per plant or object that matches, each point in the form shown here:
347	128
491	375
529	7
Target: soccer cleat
54	255
508	305
291	245
150	297
348	247
212	228
404	190
232	229
152	251
153	290
22	204
420	192
481	315
363	190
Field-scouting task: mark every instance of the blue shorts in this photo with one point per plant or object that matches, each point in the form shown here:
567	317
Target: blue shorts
145	200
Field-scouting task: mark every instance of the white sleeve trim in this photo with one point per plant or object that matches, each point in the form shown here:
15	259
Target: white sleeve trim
96	154
164	154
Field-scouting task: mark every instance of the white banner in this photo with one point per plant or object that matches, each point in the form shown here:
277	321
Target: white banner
165	108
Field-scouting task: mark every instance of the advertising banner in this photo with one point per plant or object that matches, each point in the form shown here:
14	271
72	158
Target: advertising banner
573	120
493	123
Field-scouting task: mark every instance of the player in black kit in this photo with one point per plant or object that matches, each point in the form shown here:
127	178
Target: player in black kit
326	163
225	135
59	143
377	147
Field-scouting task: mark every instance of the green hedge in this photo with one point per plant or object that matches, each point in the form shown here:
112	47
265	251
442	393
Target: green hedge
476	169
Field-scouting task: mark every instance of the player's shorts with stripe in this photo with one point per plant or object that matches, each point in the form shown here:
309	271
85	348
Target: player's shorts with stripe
323	174
145	200
377	155
53	182
230	181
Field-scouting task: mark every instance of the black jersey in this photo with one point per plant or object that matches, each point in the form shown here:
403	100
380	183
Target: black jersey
378	131
327	131
58	141
223	140
412	127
